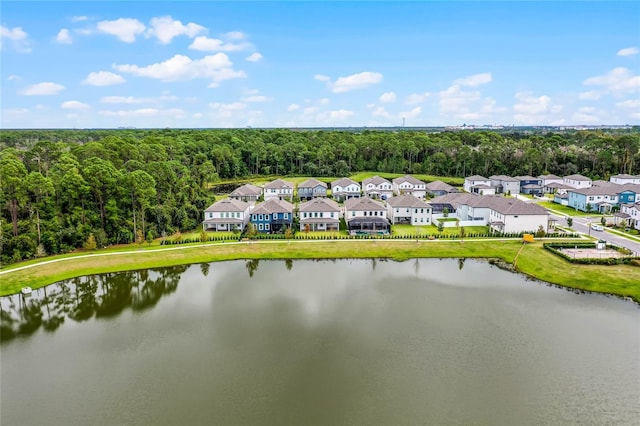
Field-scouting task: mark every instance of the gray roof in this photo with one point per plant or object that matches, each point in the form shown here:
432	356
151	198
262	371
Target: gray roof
438	185
548	177
319	205
503	205
228	205
476	177
408	178
376	180
247	190
344	182
526	177
625	176
278	183
407	200
312	183
273	206
362	204
598	190
576	177
503	178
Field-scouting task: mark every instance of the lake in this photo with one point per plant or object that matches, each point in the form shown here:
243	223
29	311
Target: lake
324	342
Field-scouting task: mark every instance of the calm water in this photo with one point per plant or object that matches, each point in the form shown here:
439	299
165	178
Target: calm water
304	342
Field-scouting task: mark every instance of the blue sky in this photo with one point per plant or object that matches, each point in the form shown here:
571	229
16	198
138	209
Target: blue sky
305	64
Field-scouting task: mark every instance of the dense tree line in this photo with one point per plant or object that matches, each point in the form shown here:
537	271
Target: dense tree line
58	187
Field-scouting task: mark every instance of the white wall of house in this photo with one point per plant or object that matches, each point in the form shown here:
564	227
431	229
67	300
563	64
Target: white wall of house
520	223
622	181
578	184
350	214
418	216
276	193
634	212
349	189
469	183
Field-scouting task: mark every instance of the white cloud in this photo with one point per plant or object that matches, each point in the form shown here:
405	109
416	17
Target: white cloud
370	106
324	101
412	114
124	100
617	81
591	95
228	110
254	57
103	78
474	80
416	98
63	36
256	98
45	88
629	104
215	67
355	81
235	35
628	51
76	105
532	110
13	77
387	97
311	110
126	29
206	44
197	116
165	28
381	112
340	115
585	115
293	107
18	37
457	101
79	18
144	112
321	77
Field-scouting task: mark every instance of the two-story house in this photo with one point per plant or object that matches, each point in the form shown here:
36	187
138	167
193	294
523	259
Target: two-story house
410	185
511	215
632	214
377	187
505	184
438	188
311	188
480	185
319	214
345	188
278	189
226	215
247	192
530	185
577	181
598	199
622	179
365	215
272	216
407	209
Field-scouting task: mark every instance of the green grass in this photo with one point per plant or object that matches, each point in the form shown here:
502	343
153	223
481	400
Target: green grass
455	181
447	219
534	260
570	211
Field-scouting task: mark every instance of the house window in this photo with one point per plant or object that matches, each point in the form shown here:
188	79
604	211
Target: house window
261	227
421	219
415	219
422	211
266	226
305	214
286	215
315	214
397	210
253	217
275	216
353	214
332	214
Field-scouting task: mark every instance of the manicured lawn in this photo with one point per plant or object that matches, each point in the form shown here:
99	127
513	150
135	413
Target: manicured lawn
359	177
565	209
433	230
534	260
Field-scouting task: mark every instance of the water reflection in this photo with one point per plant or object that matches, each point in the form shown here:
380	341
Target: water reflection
80	299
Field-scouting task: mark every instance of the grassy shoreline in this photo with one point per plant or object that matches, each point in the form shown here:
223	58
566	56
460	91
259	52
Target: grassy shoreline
533	260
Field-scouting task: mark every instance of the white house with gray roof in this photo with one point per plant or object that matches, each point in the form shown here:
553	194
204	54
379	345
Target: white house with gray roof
505	184
477	184
577	181
377	187
226	215
622	179
632	214
407	209
319	214
364	215
410	185
247	192
511	215
437	188
345	188
278	189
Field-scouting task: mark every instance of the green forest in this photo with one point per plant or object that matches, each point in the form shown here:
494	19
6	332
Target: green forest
66	189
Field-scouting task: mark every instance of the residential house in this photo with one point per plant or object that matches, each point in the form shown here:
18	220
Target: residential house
278	189
448	204
311	188
505	184
377	187
410	185
552	184
577	181
530	185
600	199
438	188
364	215
621	179
407	209
547	179
247	192
632	212
226	215
272	216
478	185
319	214
510	215
345	188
